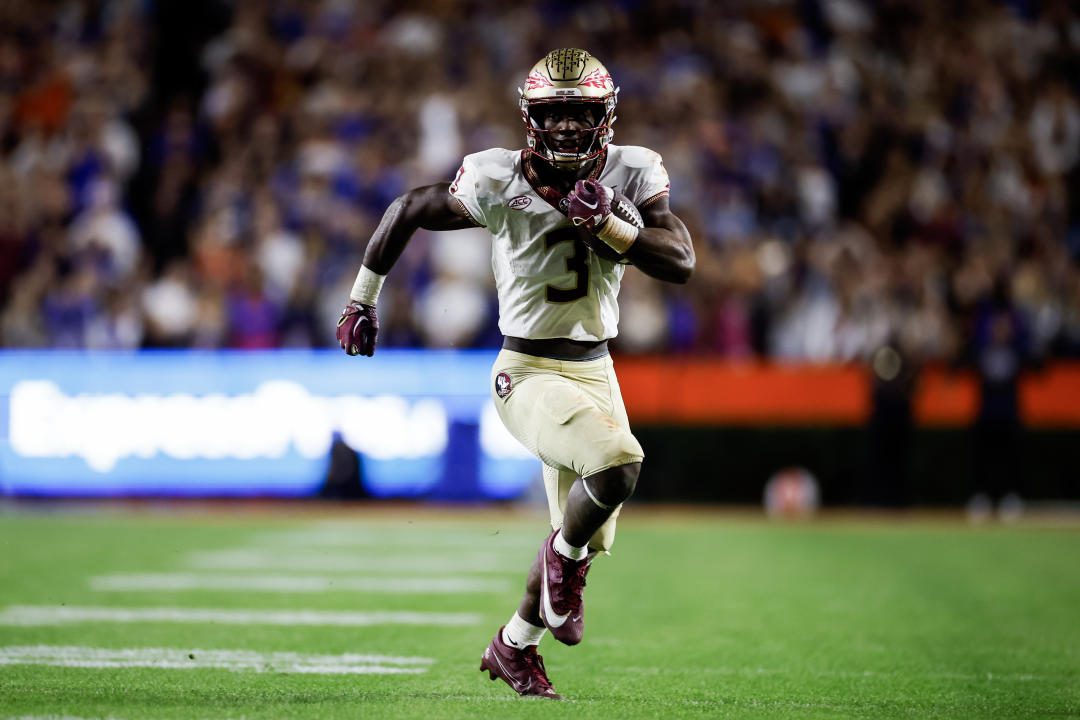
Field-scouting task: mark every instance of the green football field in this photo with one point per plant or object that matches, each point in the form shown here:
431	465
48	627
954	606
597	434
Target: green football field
312	612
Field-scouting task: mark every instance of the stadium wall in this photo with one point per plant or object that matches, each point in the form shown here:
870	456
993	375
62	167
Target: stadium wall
268	423
732	464
696	391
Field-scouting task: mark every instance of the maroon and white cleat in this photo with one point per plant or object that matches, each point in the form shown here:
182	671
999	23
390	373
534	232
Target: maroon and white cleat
523	670
562	583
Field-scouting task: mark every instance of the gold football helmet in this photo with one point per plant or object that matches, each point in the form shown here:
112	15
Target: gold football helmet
568	75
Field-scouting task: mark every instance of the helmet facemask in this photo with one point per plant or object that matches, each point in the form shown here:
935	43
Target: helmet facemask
569	148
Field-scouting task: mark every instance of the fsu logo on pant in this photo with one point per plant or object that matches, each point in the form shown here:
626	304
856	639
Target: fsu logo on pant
502	384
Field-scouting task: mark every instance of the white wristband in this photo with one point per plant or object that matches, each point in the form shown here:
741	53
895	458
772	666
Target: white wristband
618	233
367	286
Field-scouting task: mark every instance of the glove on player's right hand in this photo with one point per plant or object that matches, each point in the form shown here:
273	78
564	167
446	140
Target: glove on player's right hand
590	204
358	329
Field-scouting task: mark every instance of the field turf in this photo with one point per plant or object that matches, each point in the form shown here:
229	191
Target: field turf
311	612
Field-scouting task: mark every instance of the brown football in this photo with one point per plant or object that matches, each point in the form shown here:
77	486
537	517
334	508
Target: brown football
623	209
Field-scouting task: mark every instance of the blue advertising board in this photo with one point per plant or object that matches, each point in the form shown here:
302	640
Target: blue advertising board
200	423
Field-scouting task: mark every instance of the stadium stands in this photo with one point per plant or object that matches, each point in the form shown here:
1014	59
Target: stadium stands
854	174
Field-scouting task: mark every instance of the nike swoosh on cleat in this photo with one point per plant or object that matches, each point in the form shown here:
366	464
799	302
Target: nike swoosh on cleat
553	618
592	206
506	674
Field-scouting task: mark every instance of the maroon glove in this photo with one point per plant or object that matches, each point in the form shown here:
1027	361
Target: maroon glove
589	204
358	329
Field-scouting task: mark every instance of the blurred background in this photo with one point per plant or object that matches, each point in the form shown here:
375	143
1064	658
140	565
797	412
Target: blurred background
884	198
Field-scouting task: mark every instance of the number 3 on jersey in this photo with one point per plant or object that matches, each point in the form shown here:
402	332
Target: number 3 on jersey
576	262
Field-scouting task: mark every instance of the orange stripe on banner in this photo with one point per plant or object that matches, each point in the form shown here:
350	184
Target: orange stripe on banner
697	391
944	397
708	391
1052	396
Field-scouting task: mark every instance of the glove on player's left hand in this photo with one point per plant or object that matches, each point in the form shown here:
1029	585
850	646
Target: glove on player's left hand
589	205
358	329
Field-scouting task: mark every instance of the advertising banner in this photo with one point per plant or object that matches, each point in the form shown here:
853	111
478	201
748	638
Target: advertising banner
191	423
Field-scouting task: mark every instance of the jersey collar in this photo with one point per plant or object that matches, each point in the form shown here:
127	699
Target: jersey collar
553	197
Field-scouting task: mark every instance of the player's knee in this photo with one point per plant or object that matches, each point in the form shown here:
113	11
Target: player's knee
615	485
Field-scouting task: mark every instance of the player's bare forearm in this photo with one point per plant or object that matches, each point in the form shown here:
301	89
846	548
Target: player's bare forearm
663	248
431	207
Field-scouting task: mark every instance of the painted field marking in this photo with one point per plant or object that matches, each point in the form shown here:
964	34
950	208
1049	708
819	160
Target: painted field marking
483	563
31	615
234	660
425	538
53	717
72	717
157	582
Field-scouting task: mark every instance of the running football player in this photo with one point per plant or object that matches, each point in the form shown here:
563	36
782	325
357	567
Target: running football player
566	216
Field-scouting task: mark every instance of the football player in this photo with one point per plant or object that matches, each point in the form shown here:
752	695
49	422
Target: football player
566	215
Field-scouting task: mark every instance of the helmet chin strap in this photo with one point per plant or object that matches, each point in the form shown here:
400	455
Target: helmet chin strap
563	161
569	166
567	160
571	161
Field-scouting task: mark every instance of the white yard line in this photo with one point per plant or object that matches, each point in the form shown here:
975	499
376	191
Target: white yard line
31	615
394	538
234	660
158	582
72	717
53	717
435	562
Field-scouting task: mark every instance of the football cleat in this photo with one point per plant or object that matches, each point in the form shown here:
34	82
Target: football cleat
562	583
522	670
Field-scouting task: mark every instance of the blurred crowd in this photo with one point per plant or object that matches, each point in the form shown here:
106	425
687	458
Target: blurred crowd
855	174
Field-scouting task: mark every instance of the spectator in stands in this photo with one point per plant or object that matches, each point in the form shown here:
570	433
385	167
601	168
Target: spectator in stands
856	170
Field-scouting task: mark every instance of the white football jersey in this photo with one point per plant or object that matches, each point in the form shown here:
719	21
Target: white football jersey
550	285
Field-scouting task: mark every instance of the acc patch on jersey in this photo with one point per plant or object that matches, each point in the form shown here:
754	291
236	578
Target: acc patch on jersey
519	203
503	384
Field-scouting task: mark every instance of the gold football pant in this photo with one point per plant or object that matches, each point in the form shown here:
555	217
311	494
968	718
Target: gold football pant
571	415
